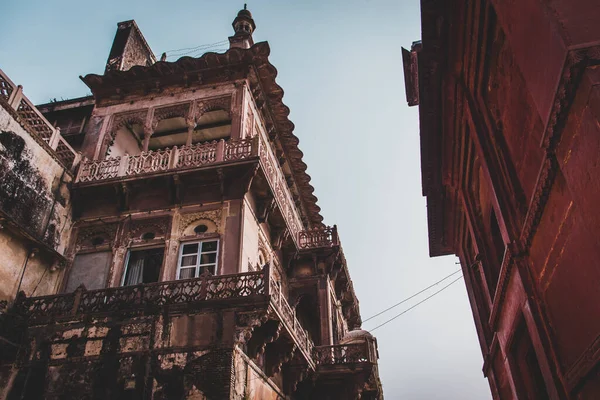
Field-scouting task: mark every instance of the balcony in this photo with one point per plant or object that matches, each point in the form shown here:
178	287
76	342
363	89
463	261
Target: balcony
169	159
174	296
23	110
345	354
322	237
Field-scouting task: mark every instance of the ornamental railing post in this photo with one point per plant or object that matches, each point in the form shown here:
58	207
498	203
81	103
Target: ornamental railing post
254	148
334	236
15	98
204	284
267	275
123	164
220	152
54	139
173	158
77	298
82	165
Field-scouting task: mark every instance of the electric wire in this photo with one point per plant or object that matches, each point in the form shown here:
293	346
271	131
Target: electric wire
414	295
421	302
191	50
196	47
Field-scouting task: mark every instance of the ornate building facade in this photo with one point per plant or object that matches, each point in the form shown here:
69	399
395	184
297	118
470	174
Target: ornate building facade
509	104
160	239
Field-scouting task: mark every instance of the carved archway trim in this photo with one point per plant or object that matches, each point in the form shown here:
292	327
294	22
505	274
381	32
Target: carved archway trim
213	104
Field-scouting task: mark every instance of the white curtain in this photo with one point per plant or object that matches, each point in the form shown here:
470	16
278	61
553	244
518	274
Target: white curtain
136	272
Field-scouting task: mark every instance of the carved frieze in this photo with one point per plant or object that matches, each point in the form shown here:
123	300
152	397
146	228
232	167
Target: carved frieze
158	226
178	110
96	235
218	103
211	215
119	121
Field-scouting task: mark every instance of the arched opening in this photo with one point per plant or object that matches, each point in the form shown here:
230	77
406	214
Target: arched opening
127	139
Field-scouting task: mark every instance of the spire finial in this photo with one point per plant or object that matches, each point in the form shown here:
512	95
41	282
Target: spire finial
243	26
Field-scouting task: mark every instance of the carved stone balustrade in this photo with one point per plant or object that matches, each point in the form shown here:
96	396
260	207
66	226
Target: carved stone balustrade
13	100
146	297
288	316
318	238
154	298
281	191
346	354
168	159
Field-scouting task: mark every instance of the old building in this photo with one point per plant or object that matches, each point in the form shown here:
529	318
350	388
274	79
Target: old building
160	239
509	104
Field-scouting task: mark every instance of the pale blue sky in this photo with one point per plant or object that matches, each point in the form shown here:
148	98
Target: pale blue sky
340	65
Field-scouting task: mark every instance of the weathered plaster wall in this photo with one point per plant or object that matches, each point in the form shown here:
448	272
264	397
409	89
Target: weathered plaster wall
113	357
250	382
249	239
35	199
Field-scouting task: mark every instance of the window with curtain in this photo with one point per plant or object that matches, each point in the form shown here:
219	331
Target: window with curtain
143	266
197	257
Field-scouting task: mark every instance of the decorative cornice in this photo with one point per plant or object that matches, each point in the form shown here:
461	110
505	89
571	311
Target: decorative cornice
576	62
540	198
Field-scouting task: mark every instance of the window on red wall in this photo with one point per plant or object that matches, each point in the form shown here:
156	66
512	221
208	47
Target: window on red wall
526	371
497	252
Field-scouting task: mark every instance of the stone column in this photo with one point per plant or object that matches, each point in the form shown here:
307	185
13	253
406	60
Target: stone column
237	112
169	271
232	238
325	311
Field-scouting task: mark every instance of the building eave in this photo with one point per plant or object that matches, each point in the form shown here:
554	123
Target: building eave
426	61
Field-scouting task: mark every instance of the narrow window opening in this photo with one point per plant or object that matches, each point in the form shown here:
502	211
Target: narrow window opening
143	266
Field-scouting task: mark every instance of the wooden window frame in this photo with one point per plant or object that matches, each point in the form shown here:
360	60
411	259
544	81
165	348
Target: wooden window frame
199	253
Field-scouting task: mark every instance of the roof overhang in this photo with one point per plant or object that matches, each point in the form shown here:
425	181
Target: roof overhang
424	67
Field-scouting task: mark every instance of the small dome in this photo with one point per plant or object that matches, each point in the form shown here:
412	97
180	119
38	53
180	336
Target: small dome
245	13
357	335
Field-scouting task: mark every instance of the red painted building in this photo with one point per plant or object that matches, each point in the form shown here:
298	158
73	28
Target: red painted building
509	103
